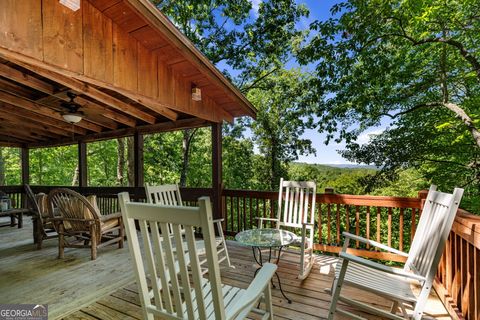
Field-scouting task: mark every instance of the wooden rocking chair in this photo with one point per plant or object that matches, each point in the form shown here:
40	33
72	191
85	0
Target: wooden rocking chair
170	281
80	224
169	194
296	209
43	227
393	283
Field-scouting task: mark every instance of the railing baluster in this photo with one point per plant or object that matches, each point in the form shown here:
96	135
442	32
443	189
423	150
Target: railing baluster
413	227
250	211
329	224
338	224
232	221
347	218
400	237
368	226
379	222
357	223
389	237
320	238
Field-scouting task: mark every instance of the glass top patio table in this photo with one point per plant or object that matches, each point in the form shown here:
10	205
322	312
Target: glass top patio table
266	238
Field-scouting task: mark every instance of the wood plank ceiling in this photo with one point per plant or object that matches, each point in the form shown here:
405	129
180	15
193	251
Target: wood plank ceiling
95	60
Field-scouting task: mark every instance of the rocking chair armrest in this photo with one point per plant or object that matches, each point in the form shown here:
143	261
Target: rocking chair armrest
262	219
254	290
106	217
218	220
268	219
381	267
374	244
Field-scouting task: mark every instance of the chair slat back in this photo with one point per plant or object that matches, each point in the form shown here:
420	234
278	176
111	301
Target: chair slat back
296	203
168	194
433	228
176	291
70	204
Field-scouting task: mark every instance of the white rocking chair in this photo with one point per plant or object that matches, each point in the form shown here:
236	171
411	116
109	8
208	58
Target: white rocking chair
169	194
393	283
178	290
296	209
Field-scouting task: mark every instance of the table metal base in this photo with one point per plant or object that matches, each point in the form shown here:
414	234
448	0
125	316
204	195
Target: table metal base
259	261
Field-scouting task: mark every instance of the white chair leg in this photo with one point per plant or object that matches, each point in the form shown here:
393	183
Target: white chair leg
301	274
224	244
268	301
336	288
421	302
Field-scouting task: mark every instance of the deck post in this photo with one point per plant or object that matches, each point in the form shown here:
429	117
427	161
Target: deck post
25	156
138	162
217	170
82	164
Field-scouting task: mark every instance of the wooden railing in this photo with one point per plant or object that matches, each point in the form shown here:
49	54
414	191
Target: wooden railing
389	220
458	277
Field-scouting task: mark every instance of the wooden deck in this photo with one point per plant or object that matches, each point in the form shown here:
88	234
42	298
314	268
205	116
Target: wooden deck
77	288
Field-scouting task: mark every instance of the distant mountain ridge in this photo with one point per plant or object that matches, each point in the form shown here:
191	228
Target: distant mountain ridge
341	166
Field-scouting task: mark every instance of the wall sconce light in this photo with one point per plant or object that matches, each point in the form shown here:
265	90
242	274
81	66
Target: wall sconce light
196	94
73	5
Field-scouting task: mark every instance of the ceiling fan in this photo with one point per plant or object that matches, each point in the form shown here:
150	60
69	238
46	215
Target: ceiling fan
73	115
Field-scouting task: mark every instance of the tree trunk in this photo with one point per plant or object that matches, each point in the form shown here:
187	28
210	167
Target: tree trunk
467	121
120	161
2	168
130	161
188	135
76	174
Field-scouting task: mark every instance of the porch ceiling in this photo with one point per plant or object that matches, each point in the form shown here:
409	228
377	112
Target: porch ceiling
130	67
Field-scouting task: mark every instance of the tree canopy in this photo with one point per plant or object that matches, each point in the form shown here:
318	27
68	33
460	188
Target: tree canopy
414	63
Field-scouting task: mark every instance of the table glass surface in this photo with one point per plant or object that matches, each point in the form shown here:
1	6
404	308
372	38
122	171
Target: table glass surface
265	237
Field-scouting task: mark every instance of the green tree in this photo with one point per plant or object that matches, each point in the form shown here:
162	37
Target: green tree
283	115
10	166
252	42
416	63
53	166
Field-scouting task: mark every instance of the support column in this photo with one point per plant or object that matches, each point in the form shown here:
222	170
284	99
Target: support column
217	179
25	159
25	156
138	159
82	164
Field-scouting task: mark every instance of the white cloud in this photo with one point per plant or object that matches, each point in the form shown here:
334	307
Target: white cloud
366	136
255	6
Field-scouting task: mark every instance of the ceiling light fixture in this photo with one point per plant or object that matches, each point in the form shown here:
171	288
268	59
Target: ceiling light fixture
73	115
73	5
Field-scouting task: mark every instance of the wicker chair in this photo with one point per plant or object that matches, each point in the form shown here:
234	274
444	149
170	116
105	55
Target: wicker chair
80	224
43	227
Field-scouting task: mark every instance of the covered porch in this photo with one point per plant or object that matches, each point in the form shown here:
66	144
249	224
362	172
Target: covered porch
144	84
